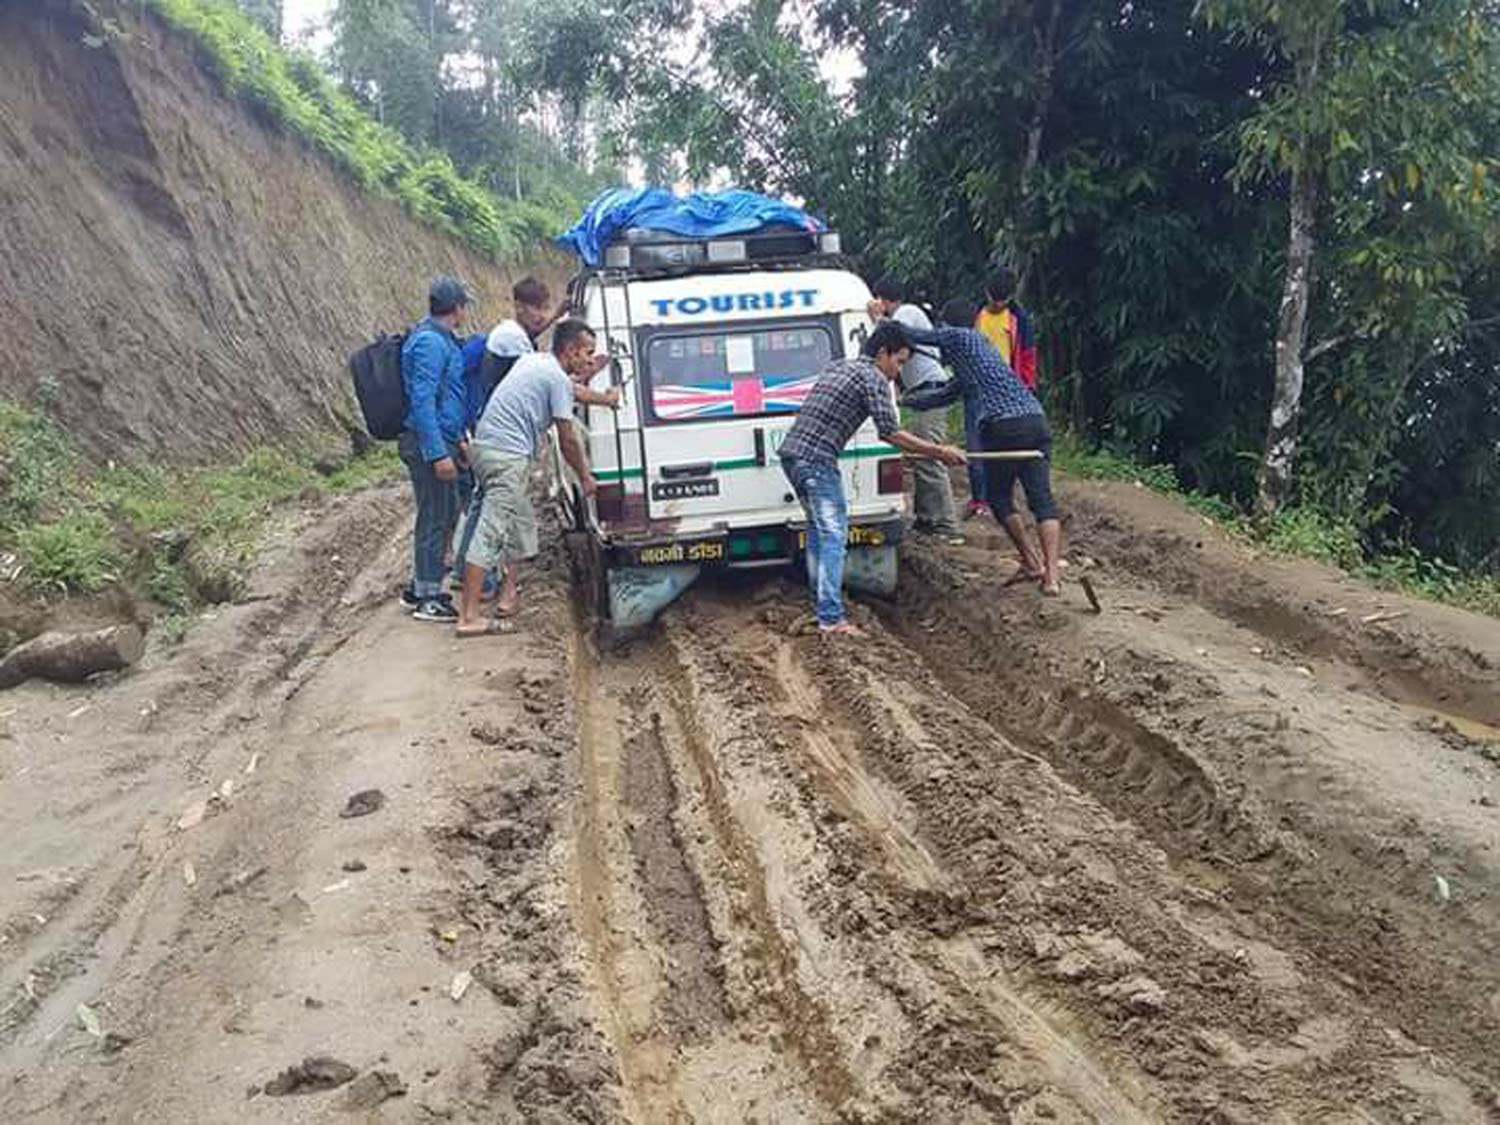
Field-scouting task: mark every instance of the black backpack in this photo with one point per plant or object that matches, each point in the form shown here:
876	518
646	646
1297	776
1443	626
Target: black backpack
376	369
492	370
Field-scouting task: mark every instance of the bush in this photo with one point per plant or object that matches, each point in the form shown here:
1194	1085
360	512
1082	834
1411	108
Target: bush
77	554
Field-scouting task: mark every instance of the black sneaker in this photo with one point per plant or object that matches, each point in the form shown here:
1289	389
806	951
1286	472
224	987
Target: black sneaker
436	609
409	600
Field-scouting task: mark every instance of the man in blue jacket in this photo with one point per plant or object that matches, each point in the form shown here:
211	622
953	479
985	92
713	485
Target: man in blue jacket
432	373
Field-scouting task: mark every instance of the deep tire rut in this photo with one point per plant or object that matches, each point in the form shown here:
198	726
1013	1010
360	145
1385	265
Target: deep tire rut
872	891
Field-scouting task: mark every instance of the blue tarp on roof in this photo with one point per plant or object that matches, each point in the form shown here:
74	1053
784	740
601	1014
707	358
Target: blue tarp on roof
704	214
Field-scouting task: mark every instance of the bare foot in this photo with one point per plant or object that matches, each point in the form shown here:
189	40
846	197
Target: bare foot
1051	589
507	608
1021	575
842	629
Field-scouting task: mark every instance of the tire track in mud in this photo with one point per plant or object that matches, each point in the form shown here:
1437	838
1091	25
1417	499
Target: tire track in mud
1319	909
872	893
1060	939
696	982
278	644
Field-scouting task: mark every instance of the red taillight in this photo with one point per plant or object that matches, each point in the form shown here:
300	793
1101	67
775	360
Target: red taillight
609	502
888	473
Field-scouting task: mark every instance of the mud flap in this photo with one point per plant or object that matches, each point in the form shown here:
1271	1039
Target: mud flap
871	570
638	593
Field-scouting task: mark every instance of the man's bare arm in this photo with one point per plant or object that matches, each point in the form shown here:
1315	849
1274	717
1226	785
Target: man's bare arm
573	454
918	447
590	397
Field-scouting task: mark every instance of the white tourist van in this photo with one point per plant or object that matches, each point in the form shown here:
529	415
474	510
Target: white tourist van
715	344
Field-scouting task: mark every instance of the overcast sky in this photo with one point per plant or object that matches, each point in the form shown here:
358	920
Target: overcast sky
297	14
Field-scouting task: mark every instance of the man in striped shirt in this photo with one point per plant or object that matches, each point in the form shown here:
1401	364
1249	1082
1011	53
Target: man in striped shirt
848	392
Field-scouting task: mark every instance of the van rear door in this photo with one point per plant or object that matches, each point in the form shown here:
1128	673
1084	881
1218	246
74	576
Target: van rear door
717	401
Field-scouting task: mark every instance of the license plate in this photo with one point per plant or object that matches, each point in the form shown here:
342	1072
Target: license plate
684	489
857	537
668	554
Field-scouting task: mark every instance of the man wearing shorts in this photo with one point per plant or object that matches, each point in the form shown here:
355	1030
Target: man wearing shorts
1008	418
537	394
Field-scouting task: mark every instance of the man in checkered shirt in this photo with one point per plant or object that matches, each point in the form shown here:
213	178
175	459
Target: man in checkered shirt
848	392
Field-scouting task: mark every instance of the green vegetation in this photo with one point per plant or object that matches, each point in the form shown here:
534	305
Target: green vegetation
181	536
1298	532
1246	256
294	94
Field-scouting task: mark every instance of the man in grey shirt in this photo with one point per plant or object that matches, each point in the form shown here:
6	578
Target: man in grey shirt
537	394
932	499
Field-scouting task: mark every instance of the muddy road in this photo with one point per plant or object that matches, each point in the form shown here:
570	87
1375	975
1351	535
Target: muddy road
1223	853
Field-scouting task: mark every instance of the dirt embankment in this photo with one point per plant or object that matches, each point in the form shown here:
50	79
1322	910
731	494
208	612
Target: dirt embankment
185	280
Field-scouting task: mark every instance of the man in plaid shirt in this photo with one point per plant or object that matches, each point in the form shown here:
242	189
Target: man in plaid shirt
848	392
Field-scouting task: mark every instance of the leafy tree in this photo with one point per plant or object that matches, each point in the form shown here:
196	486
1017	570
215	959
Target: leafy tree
1364	107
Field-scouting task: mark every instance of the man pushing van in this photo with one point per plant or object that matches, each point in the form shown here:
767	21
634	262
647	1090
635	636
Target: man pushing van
848	392
537	393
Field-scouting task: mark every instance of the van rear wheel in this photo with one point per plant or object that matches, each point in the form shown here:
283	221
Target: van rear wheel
872	570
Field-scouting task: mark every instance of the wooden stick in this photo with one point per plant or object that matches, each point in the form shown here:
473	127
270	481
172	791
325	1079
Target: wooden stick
1000	455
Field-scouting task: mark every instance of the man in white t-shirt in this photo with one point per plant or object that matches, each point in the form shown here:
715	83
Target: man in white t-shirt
537	394
517	336
932	491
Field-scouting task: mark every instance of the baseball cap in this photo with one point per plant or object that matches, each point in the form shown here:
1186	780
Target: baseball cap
446	294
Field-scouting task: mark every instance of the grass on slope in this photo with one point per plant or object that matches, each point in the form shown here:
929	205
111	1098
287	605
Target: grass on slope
296	95
182	536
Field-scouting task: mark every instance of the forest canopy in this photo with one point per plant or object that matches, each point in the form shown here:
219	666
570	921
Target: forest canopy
1258	238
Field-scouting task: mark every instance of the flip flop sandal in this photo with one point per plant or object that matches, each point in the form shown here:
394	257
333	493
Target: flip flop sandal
493	627
1021	576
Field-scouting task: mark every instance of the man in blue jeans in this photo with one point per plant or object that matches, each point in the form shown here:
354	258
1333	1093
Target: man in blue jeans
848	392
432	373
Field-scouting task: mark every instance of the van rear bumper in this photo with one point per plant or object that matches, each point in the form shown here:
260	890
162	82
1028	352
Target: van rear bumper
743	546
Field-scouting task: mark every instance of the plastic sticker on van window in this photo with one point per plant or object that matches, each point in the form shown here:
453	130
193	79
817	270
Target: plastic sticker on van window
739	355
725	376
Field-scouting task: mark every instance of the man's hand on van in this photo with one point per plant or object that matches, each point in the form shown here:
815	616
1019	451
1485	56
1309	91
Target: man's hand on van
588	485
590	397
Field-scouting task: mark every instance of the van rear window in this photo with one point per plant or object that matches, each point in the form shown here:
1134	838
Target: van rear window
737	373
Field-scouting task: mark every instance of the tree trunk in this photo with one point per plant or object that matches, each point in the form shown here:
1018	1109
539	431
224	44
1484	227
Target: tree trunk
1291	337
72	657
1047	51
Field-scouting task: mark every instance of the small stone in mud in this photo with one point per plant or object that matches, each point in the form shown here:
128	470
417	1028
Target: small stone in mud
354	865
311	1002
487	733
312	1075
363	803
373	1088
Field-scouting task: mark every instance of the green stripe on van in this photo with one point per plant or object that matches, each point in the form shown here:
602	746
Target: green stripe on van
752	463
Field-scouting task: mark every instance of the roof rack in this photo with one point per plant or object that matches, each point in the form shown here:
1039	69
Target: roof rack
645	253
